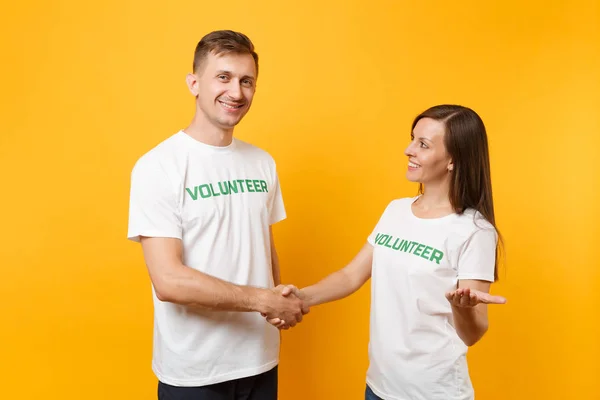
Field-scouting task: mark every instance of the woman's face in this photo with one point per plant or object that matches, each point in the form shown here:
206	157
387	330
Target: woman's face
428	160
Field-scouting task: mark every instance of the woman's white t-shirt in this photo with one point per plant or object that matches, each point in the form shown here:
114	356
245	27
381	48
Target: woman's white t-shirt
414	350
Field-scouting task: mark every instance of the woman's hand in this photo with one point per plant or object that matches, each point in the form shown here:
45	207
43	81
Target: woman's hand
466	297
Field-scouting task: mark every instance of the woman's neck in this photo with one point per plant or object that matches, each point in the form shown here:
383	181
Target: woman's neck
434	202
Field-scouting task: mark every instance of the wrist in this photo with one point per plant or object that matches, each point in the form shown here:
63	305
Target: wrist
464	313
257	299
306	297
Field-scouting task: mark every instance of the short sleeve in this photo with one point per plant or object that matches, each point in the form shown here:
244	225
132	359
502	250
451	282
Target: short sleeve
373	235
478	257
276	207
153	209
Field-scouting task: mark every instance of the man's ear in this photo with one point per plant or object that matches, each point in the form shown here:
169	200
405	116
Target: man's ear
192	83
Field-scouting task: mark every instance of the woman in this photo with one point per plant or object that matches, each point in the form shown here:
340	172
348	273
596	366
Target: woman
432	259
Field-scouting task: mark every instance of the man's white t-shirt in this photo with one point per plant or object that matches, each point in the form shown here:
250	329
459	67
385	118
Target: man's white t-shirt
220	201
414	350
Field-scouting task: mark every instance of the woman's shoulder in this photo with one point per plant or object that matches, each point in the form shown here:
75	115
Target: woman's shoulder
475	221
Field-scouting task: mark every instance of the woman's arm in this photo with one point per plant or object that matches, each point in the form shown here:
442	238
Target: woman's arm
341	283
469	309
335	286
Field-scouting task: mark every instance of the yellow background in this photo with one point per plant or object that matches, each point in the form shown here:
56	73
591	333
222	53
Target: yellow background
89	87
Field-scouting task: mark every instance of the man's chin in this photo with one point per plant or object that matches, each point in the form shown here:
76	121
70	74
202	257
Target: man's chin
229	123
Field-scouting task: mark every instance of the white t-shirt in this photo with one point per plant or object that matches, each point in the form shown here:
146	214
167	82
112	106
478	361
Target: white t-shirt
220	202
414	350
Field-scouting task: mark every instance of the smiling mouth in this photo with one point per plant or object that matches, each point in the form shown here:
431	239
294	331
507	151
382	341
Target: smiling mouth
413	165
231	106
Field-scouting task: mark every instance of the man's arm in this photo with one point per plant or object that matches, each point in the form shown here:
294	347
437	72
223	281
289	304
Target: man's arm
177	283
274	260
469	309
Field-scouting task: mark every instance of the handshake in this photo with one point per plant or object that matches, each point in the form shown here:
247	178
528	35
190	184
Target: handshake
284	306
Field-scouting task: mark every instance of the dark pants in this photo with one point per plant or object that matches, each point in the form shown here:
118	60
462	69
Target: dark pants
369	395
259	387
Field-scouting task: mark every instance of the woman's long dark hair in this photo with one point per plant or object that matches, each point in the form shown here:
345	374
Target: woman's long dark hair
466	142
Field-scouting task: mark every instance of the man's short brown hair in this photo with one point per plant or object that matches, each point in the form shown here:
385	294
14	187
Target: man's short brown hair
223	42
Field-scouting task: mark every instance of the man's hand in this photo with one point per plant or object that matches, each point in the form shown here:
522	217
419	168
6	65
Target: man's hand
287	291
283	308
466	297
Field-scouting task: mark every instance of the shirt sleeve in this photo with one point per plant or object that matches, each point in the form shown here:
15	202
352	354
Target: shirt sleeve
153	209
373	236
478	257
276	207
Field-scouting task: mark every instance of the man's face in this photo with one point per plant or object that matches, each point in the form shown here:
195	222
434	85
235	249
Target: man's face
224	86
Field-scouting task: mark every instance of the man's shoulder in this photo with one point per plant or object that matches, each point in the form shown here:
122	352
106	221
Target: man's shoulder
164	150
160	154
253	150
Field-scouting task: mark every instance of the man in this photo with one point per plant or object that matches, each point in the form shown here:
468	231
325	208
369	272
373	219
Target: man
202	204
